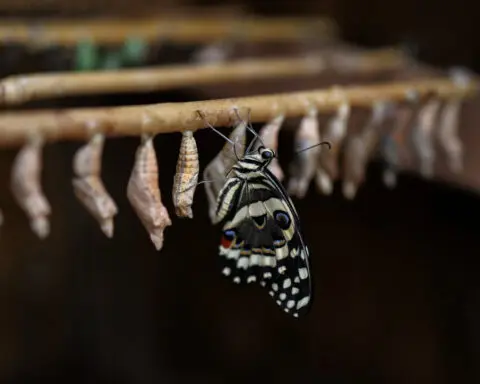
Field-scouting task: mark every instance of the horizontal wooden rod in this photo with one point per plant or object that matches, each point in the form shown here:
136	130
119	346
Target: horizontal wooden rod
22	88
176	28
78	124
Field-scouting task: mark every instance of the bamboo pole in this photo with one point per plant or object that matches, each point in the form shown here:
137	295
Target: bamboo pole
22	88
176	28
76	124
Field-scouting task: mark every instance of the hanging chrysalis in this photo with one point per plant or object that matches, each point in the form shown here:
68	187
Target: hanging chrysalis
371	133
359	148
87	56
134	51
215	172
269	138
422	136
336	131
144	194
26	186
389	151
217	52
88	186
392	144
305	163
448	134
186	176
353	166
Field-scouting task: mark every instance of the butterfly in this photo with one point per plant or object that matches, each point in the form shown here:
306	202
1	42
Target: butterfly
261	238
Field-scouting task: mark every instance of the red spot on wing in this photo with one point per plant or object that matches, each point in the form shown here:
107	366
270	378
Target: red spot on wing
226	243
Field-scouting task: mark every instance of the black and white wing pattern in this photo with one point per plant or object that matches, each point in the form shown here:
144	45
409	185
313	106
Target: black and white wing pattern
261	240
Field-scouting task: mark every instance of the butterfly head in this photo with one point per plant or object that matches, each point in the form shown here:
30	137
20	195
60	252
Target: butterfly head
266	153
263	156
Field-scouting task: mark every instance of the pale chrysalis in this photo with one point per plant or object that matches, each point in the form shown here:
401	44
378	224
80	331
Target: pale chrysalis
269	138
88	186
359	147
423	134
448	134
305	163
27	189
144	194
335	132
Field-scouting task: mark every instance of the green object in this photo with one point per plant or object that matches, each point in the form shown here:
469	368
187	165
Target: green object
86	56
111	60
134	51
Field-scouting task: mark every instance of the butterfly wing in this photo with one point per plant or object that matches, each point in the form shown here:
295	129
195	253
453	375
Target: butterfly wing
299	280
261	240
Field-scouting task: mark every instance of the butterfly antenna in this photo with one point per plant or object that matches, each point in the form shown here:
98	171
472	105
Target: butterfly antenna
196	185
248	125
214	129
313	146
234	143
235	149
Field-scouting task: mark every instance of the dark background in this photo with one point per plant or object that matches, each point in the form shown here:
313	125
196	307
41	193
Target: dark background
397	296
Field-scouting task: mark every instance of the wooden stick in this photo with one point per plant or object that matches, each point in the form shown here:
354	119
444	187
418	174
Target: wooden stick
22	88
72	124
179	29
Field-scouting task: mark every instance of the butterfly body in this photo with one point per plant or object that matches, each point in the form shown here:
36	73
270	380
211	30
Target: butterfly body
261	240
